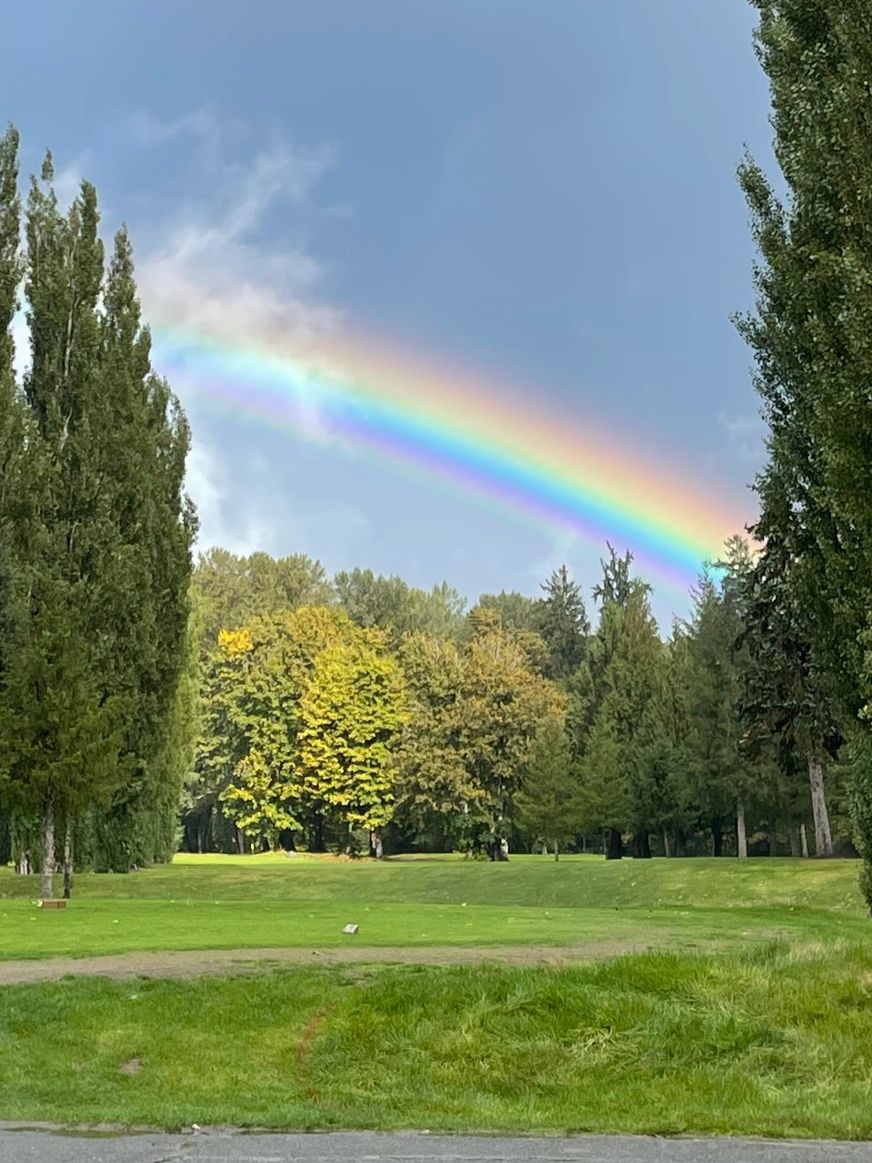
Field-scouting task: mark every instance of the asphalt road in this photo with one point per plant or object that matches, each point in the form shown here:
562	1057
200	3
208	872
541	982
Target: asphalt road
39	1146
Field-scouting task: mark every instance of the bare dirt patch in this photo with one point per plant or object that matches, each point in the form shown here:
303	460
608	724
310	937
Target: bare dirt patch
227	962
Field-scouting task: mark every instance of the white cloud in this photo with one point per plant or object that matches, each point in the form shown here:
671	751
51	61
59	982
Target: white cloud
147	130
68	181
228	516
210	264
216	263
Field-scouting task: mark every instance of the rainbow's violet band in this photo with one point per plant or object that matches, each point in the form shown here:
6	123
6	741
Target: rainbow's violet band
487	443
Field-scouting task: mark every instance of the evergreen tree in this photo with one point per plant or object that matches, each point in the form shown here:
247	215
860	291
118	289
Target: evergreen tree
786	694
548	804
714	734
61	726
625	668
146	596
10	411
563	624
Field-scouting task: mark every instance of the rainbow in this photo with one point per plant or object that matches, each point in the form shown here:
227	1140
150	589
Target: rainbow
486	440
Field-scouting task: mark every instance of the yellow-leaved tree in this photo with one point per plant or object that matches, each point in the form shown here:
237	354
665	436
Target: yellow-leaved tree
349	717
253	685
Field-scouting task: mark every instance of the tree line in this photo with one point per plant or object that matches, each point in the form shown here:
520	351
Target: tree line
362	711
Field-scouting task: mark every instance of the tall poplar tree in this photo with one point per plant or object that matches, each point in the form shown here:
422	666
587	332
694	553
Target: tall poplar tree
97	549
11	495
146	595
811	331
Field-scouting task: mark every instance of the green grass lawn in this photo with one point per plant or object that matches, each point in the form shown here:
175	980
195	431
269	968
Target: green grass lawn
773	1042
220	902
201	903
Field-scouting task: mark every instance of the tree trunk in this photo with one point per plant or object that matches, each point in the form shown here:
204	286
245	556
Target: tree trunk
614	844
319	844
666	851
48	852
803	839
823	840
641	846
717	838
773	838
240	841
556	849
794	840
376	847
741	833
68	860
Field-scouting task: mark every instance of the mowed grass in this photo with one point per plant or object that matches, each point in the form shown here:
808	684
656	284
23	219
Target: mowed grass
270	902
776	1042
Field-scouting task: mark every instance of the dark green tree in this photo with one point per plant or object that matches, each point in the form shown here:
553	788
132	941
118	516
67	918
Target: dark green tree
98	552
563	624
714	756
146	595
548	805
626	671
785	693
62	732
810	332
374	601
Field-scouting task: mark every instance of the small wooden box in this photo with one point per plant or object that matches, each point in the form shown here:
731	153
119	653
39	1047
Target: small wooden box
56	904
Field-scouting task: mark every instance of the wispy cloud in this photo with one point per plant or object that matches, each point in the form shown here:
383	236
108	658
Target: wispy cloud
211	263
203	124
745	432
217	261
228	516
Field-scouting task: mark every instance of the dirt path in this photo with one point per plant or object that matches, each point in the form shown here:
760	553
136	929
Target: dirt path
197	962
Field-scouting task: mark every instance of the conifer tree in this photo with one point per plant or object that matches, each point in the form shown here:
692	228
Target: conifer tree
548	804
563	624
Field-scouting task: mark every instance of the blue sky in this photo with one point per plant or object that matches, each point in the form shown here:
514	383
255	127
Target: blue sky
543	191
